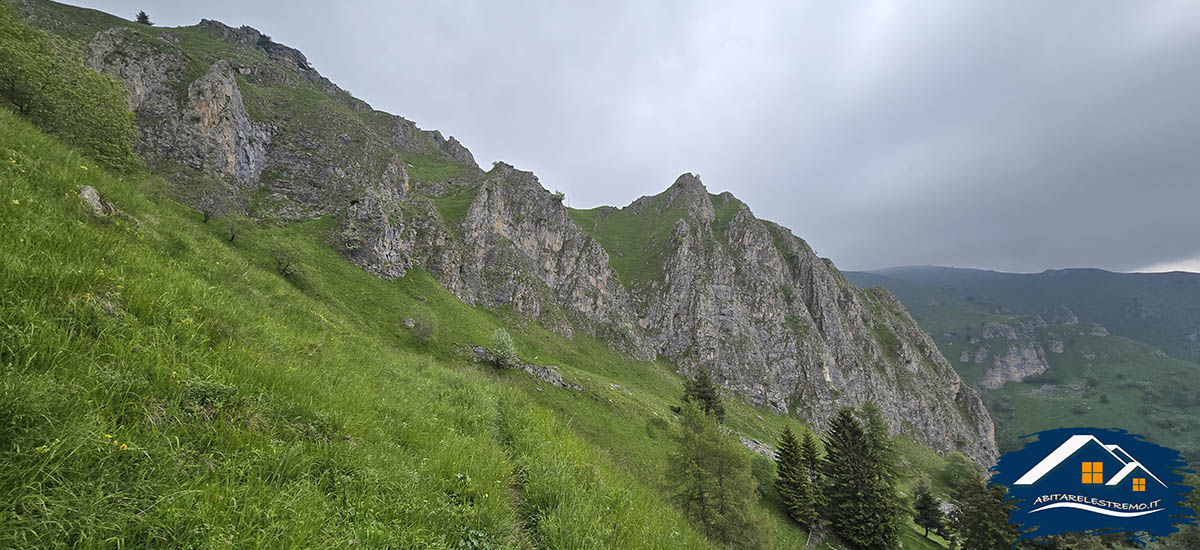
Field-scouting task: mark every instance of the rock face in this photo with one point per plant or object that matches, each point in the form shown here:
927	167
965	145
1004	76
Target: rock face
1060	315
727	292
208	129
1018	362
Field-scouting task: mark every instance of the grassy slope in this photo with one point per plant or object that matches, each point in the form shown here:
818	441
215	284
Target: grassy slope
636	243
1128	385
258	410
243	410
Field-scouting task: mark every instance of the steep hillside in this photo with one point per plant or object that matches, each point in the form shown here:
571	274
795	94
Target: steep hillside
1053	368
240	124
163	385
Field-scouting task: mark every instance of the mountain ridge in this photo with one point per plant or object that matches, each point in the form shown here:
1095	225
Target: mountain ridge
243	124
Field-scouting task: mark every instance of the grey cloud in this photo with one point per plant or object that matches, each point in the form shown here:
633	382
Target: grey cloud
1014	135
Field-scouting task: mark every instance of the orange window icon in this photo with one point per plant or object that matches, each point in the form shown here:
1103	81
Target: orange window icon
1139	484
1093	472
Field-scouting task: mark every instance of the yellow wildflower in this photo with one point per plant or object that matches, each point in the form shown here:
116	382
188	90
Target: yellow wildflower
15	201
108	436
124	446
82	166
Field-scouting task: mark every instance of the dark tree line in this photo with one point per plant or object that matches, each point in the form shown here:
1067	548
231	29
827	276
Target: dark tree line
847	477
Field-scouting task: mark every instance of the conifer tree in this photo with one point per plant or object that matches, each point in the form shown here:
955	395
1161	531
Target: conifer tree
926	510
794	483
143	18
982	517
710	475
810	457
881	440
704	391
810	461
859	497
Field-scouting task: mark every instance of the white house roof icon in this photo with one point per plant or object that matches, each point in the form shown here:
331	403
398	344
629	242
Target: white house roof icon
1073	444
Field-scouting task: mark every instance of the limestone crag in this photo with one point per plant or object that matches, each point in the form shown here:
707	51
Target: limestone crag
1018	362
207	129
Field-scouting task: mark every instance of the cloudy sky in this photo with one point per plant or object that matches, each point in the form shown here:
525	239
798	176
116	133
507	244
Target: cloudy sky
1006	135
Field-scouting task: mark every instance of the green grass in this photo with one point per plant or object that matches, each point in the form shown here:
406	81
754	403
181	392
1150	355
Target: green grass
637	242
430	169
725	207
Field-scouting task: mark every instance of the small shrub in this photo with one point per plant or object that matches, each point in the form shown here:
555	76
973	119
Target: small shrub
1104	398
504	351
285	262
288	267
559	196
423	329
1078	409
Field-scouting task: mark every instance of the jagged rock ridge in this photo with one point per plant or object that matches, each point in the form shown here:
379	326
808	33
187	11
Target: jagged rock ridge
728	292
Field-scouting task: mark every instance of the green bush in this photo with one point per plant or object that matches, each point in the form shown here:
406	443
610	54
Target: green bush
43	80
503	349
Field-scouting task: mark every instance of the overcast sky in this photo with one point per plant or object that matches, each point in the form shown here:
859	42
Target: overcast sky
1017	136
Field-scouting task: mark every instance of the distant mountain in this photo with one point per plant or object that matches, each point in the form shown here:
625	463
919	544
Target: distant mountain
1082	347
1161	309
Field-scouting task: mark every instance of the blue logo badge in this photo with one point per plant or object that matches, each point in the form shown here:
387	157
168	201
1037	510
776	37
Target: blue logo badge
1089	480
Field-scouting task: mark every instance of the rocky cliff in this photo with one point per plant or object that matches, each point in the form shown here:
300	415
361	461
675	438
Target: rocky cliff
239	122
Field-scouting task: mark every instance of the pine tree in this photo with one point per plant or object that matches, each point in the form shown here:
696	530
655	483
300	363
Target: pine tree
860	499
143	18
704	391
881	440
794	483
982	517
710	475
810	461
810	457
926	510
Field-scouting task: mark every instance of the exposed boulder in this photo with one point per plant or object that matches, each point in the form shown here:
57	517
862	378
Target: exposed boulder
1055	345
98	207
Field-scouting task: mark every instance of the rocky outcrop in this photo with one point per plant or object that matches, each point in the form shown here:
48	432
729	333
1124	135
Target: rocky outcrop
1016	363
1055	345
546	373
1060	315
206	128
521	249
999	330
757	446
